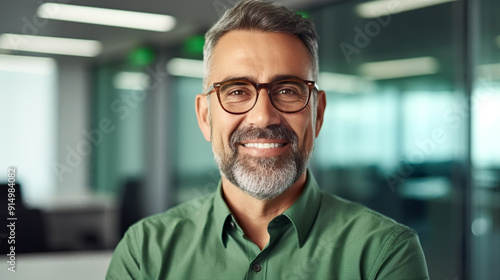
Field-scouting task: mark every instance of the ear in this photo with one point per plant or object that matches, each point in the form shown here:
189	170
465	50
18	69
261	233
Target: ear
320	110
202	114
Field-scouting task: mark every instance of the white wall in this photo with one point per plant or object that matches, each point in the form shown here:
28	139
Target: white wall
73	148
28	123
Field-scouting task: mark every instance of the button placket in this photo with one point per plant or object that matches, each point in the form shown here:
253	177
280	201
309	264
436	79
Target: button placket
256	267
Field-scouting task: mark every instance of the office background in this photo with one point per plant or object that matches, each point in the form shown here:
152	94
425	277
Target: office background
107	136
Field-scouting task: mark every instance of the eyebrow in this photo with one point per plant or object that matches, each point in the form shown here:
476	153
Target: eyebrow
250	79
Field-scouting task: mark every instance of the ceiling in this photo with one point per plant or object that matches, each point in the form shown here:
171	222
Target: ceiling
193	17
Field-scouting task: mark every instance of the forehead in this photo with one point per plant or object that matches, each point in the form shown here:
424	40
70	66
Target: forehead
259	56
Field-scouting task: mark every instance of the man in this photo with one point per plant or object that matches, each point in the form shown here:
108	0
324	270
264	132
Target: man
268	219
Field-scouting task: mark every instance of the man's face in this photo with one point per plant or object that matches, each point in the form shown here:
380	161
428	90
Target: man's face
264	151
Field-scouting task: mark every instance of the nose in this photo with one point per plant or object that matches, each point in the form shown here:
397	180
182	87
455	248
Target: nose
263	114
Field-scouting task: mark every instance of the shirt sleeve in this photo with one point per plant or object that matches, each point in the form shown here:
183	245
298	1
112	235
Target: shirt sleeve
401	258
124	264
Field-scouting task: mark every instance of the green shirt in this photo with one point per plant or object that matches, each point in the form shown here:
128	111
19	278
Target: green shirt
320	236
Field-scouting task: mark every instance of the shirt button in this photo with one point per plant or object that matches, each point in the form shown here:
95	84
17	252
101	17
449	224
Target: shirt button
256	267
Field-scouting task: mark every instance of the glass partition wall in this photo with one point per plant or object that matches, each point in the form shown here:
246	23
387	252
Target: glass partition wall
391	139
485	134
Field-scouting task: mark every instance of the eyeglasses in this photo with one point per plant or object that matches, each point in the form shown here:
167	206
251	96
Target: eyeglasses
286	95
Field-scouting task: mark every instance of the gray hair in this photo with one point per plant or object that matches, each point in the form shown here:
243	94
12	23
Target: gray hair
261	16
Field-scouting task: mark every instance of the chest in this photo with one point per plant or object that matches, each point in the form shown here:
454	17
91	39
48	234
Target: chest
321	257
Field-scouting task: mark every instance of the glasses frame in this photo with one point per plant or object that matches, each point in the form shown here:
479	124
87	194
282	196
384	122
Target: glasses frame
258	86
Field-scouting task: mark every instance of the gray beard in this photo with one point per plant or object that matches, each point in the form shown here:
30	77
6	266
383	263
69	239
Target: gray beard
264	178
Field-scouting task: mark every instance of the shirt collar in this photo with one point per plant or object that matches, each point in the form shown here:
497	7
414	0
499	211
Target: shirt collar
302	213
222	215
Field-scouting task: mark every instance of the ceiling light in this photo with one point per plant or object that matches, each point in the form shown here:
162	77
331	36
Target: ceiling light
342	83
185	67
488	71
27	64
481	226
425	188
380	8
110	17
131	81
41	44
391	69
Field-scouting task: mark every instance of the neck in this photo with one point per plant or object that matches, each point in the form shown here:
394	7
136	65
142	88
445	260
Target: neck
254	215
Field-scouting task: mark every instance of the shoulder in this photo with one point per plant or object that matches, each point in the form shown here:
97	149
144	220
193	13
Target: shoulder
362	227
384	248
139	254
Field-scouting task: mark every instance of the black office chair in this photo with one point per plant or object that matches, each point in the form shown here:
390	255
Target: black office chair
29	233
130	205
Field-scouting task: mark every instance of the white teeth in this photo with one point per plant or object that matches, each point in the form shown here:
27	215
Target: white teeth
263	145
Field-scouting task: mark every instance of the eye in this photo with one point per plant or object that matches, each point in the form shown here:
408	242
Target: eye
286	91
289	88
236	92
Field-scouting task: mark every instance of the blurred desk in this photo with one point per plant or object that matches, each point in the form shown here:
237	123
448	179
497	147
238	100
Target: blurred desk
84	222
58	266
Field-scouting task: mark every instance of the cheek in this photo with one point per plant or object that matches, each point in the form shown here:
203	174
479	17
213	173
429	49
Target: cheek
218	137
223	126
308	137
302	125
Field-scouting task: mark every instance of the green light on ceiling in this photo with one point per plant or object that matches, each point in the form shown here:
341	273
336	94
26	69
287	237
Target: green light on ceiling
194	45
303	14
141	56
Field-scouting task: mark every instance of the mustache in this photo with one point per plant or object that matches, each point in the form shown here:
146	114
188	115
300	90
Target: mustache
275	131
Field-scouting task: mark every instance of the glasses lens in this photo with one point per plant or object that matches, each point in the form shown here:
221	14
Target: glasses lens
238	96
290	95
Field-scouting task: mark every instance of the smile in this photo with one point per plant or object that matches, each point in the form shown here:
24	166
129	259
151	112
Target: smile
263	145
